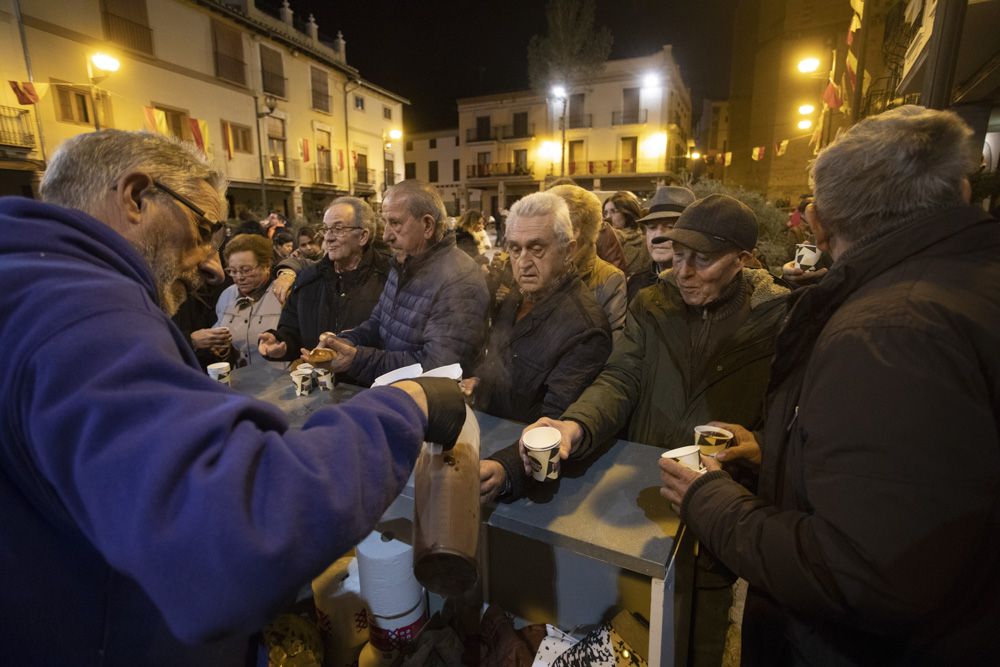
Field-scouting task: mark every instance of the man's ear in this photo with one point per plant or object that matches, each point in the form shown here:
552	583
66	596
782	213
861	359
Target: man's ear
429	226
130	190
819	230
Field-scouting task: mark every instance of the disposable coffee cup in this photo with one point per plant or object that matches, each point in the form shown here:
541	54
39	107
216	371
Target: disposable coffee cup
220	372
711	439
324	379
542	447
303	380
806	256
686	456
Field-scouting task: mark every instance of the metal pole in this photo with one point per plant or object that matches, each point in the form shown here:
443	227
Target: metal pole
27	67
260	153
942	54
562	152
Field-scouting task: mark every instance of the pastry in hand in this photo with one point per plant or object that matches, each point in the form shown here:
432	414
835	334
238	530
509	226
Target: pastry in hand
320	355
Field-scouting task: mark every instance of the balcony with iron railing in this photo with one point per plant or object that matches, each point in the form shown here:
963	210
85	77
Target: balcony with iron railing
473	134
630	117
498	169
230	68
280	167
577	120
128	33
323	173
364	179
273	82
525	131
15	128
611	167
391	178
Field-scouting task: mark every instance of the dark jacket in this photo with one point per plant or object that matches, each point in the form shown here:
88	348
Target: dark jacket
324	300
537	366
149	515
876	535
648	387
642	279
432	312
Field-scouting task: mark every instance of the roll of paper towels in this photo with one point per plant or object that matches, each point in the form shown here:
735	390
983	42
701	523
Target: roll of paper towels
387	581
341	611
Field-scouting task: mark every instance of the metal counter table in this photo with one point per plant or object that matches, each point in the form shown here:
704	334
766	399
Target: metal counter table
611	512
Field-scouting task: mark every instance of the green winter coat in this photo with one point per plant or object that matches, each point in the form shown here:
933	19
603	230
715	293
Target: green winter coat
644	387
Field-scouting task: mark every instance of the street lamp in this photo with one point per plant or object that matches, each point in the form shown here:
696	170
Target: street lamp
271	103
559	92
805	124
806	109
99	66
808	65
695	155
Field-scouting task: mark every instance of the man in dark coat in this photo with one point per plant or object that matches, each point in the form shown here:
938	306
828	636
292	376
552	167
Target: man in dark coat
697	347
433	308
339	291
549	340
875	534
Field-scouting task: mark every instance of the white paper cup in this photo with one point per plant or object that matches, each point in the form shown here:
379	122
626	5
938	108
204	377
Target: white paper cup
303	380
220	372
712	439
806	256
324	379
542	446
686	456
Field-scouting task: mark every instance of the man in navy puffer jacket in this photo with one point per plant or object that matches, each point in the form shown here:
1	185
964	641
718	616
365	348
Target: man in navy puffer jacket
434	305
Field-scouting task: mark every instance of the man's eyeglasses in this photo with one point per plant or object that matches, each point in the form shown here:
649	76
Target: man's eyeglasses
208	230
338	230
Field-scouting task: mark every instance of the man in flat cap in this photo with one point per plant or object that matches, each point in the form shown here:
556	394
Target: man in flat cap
663	209
697	347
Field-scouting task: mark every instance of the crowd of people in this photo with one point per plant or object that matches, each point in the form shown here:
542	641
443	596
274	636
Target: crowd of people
170	516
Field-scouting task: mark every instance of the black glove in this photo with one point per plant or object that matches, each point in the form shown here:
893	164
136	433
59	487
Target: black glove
445	410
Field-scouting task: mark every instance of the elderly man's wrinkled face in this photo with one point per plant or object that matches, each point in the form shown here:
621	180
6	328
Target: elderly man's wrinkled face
702	277
661	249
343	239
406	235
179	258
537	257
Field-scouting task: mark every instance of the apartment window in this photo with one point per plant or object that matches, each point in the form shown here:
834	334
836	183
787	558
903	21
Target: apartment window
387	112
227	47
456	141
363	175
241	137
320	90
576	115
271	71
324	157
521	124
126	22
432	143
521	162
73	104
276	146
409	145
456	170
359	102
177	122
432	171
482	128
411	169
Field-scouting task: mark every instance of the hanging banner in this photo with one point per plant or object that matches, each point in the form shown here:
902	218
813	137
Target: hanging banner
28	92
195	127
227	138
305	150
758	153
781	147
340	159
729	158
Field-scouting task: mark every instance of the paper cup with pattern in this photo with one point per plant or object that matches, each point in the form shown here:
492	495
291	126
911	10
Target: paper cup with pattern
220	372
686	456
324	379
303	380
542	447
806	256
712	439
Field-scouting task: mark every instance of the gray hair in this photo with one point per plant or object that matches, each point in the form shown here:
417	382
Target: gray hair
421	199
899	165
544	204
364	216
85	166
584	210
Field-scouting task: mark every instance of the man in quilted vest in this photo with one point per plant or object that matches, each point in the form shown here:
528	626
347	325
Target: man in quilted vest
434	305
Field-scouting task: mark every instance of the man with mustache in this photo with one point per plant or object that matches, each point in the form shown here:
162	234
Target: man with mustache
662	212
148	514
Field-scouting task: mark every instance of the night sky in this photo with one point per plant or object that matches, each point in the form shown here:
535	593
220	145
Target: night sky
433	52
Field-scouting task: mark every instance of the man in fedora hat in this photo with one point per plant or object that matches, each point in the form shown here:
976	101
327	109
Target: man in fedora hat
696	348
665	207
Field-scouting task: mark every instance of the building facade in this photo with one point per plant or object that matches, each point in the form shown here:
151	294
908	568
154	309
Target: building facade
275	106
436	157
628	128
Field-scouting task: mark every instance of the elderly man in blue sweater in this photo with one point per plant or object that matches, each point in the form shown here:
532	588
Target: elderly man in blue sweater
149	515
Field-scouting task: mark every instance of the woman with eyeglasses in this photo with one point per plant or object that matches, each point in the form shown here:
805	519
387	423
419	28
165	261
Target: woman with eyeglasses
246	308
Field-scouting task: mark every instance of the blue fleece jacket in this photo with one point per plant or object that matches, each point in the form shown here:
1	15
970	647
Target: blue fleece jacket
149	515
